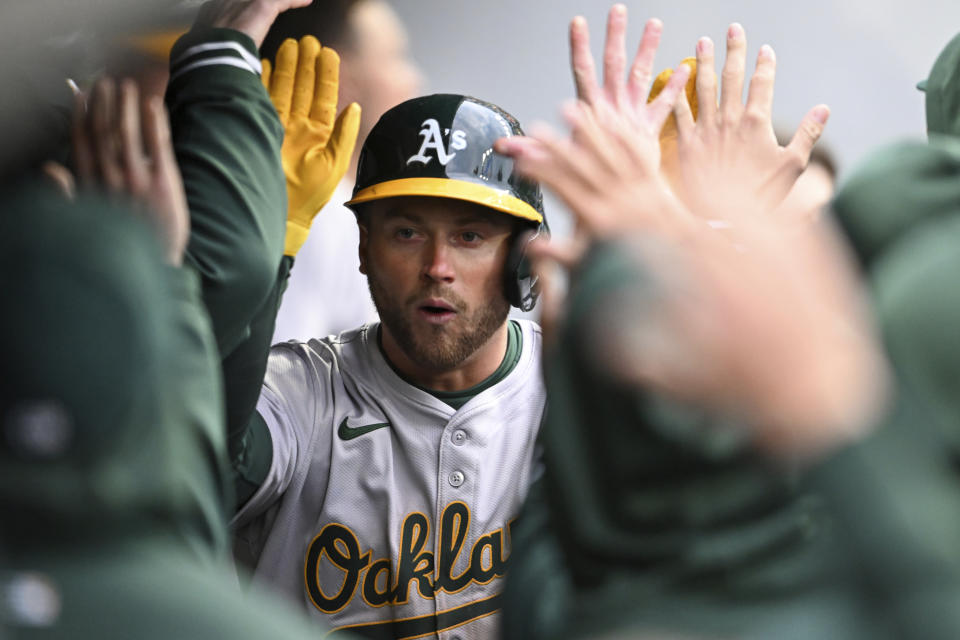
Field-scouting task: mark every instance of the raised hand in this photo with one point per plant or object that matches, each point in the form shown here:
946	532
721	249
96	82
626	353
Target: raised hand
123	146
316	148
770	327
761	322
729	157
608	172
620	97
252	17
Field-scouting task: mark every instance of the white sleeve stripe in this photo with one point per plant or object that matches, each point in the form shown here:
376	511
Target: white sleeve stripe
228	60
226	44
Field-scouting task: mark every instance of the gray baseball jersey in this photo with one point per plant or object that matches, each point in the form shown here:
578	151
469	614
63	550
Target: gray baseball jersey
386	510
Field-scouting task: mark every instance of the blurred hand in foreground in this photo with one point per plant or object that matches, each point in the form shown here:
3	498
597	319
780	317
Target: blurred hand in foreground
123	146
252	17
757	320
729	154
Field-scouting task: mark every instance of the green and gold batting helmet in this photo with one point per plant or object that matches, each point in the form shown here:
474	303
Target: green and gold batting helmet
442	146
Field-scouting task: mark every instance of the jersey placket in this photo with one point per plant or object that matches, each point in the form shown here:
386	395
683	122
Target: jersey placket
458	475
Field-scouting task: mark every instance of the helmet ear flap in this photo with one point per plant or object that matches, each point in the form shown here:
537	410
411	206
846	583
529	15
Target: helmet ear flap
521	285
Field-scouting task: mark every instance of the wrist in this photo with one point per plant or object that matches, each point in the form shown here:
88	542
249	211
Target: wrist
296	235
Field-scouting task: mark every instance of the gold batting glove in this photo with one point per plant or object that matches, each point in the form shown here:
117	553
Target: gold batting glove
668	135
317	145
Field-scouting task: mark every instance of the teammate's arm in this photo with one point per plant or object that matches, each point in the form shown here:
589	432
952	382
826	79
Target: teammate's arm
227	139
787	284
316	150
123	147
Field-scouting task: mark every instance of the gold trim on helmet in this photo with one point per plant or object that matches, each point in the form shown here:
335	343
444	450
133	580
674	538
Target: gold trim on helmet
449	188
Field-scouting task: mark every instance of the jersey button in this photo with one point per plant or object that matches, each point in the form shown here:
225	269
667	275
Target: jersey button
456	478
459	437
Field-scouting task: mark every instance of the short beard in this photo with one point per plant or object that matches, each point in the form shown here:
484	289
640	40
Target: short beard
444	349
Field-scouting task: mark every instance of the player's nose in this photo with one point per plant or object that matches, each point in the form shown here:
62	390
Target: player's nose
437	263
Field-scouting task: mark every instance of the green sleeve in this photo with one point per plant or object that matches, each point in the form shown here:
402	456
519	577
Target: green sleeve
195	410
538	598
251	449
649	504
895	495
894	501
918	306
227	139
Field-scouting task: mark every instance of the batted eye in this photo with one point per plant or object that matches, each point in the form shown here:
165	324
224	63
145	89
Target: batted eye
470	236
405	233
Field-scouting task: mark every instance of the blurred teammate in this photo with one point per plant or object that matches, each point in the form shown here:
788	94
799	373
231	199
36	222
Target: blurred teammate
112	483
660	510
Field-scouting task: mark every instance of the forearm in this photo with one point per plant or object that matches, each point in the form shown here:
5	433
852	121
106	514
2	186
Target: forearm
893	497
243	372
227	139
195	414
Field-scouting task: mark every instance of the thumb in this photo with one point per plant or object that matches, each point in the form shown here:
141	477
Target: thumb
809	131
343	139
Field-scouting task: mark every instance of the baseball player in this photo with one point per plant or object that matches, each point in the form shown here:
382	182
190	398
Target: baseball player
383	467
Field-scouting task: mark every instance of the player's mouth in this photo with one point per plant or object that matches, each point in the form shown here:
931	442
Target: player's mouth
436	311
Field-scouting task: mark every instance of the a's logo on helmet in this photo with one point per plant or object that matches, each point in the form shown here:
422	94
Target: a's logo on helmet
433	140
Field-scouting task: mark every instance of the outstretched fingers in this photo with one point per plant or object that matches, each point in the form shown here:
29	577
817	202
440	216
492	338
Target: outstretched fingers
555	163
591	139
615	54
157	138
135	166
731	93
325	96
282	78
542	156
581	61
706	82
807	134
660	108
641	72
105	138
306	76
760	97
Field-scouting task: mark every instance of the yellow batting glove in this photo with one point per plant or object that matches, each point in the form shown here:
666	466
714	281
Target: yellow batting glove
317	144
668	135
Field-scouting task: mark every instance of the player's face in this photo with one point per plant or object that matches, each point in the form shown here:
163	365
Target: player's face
435	269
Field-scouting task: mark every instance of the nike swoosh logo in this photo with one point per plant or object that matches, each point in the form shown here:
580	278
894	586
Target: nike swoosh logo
349	433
